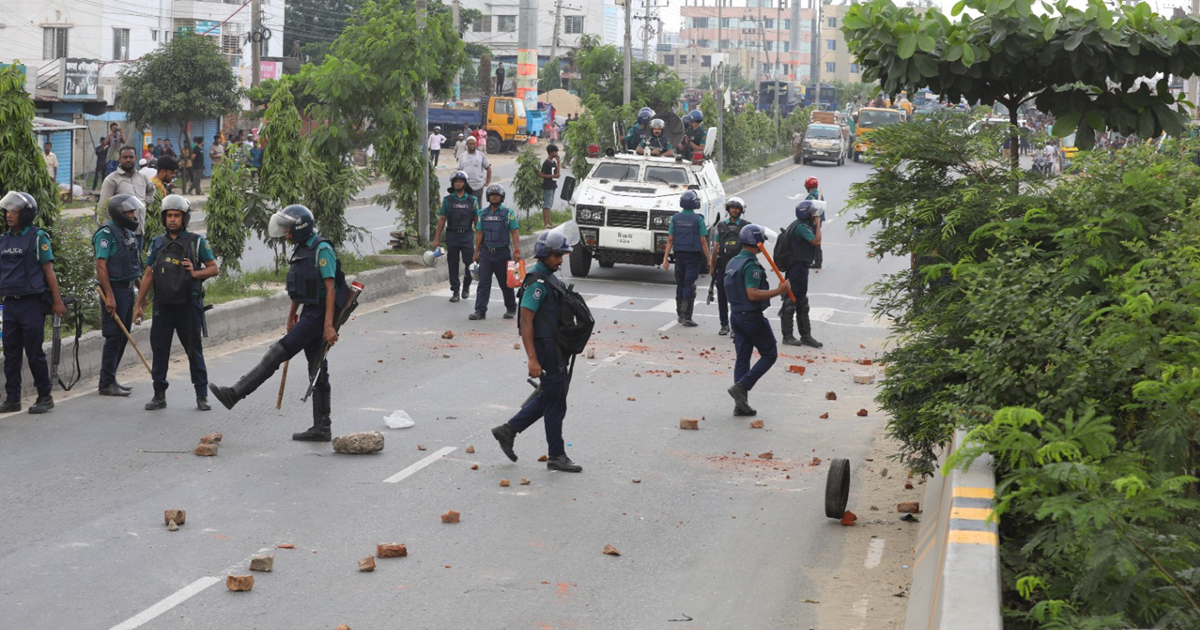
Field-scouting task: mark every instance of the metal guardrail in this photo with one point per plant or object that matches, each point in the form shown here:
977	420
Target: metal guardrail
956	569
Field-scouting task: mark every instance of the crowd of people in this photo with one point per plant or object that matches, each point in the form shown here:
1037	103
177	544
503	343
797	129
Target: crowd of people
189	161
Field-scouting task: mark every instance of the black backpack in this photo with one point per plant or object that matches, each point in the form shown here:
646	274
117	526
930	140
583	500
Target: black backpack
172	283
575	323
785	249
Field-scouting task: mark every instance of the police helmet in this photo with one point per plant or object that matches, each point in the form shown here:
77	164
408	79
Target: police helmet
23	203
474	269
550	242
810	183
296	218
119	205
494	189
752	235
689	200
657	123
458	175
810	208
179	203
644	115
695	116
735	202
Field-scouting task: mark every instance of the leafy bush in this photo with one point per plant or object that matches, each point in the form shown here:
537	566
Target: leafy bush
527	184
21	165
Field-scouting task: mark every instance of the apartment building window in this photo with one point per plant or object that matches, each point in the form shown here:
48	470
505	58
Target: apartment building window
482	25
573	24
669	60
831	22
120	44
724	22
831	44
770	46
231	42
506	23
787	24
705	61
768	23
787	46
830	67
704	43
855	69
725	43
54	43
700	22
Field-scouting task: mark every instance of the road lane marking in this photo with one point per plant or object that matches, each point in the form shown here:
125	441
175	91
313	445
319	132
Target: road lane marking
874	554
408	472
668	326
860	609
666	306
606	301
171	601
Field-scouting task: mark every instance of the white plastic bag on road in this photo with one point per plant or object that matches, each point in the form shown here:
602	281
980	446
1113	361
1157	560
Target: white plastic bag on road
399	420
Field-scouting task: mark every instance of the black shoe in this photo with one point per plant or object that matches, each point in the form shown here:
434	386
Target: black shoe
724	330
314	434
477	315
791	341
158	402
741	400
562	463
224	394
505	435
113	390
123	387
809	341
466	292
687	321
454	297
10	406
43	404
202	403
510	314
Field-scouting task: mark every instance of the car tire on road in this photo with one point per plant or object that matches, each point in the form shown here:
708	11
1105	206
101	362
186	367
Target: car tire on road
837	488
581	262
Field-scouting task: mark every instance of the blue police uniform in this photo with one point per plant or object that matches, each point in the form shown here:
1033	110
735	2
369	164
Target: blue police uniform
26	297
687	228
494	255
460	238
818	254
727	233
551	404
633	136
180	320
751	330
697	136
119	247
312	262
802	237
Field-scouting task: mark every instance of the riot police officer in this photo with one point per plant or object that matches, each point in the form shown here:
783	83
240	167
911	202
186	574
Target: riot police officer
806	237
117	268
656	143
540	318
638	130
28	286
688	238
176	264
315	282
495	227
456	217
814	194
728	246
694	136
746	285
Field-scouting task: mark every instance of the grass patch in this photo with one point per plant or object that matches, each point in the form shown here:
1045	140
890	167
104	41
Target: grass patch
533	223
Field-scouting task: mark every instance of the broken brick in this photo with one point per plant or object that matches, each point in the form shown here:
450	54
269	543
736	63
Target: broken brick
516	346
474	466
830	395
286	546
797	369
367	564
451	517
908	485
391	550
824	416
849	517
864	362
504	483
525	481
179	516
420	447
756	424
767	455
862	413
864	379
816	461
172	527
262	563
910	507
543	458
691	424
343	626
449	334
610	550
470	449
211	438
206	450
239	582
591	353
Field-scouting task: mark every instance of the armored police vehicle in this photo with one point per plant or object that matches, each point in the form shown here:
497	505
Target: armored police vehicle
624	206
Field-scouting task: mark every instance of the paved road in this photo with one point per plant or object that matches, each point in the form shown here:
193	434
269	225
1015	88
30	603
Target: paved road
712	532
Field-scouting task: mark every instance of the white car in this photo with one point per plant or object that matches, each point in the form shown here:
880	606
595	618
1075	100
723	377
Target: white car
624	206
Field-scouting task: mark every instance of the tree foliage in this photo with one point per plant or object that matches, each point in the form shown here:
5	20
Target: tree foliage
549	78
21	165
282	167
527	184
225	212
316	24
602	74
185	79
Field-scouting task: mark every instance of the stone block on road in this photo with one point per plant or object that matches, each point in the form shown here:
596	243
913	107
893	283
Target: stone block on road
262	563
206	450
358	443
239	582
211	438
391	550
690	424
864	379
179	516
367	564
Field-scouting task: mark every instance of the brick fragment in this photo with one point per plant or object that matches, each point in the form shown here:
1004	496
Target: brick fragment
824	416
816	461
211	438
286	546
796	369
263	563
239	582
610	550
343	626
470	449
864	362
366	565
767	455
525	481
449	334
504	483
909	507
451	517
848	518
908	485
691	424
543	458
474	466
864	379
591	353
830	395
862	413
756	424
206	450
172	527
391	550
179	516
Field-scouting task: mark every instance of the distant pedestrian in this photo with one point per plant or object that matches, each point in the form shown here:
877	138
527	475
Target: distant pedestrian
101	171
551	168
477	167
460	147
216	153
185	168
51	162
197	164
481	138
256	155
499	79
168	150
745	283
436	140
158	148
116	140
128	181
167	169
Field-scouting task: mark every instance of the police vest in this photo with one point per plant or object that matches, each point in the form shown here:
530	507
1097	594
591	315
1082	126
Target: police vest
805	250
123	263
657	142
20	273
686	231
304	282
698	136
729	245
549	313
495	227
460	212
735	287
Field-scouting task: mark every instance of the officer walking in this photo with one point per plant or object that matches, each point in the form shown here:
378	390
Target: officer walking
540	317
806	237
316	282
27	285
494	229
656	143
117	268
695	136
688	237
176	265
729	232
637	131
456	217
814	194
746	285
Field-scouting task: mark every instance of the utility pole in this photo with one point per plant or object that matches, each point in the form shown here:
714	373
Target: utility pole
627	94
775	70
422	141
794	34
557	17
457	75
816	51
527	53
255	42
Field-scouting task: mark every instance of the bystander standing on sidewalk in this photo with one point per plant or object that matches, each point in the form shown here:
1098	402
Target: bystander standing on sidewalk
51	162
115	141
216	153
197	164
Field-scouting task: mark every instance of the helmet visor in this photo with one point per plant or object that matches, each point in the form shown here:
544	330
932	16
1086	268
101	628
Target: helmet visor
279	225
176	202
13	202
817	206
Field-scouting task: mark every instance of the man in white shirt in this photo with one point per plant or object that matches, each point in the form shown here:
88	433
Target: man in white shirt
460	147
477	167
128	181
51	162
436	139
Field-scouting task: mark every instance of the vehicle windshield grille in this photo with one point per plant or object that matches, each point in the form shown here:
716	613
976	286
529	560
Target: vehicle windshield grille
628	219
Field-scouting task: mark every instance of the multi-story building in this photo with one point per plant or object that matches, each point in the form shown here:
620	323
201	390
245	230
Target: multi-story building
836	62
498	28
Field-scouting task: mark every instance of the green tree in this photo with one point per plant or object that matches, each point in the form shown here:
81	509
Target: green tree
1081	65
549	77
527	184
21	164
601	75
579	134
329	186
185	79
316	24
224	213
282	166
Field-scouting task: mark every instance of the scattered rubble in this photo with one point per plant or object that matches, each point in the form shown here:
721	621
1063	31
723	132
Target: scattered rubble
474	466
862	413
543	458
211	438
179	516
239	582
449	334
796	369
830	395
756	424
816	461
391	550
206	450
525	481
864	379
358	443
172	527
848	518
451	517
637	480
504	483
591	352
610	550
691	424
366	565
285	546
470	449
824	416
909	507
265	564
767	455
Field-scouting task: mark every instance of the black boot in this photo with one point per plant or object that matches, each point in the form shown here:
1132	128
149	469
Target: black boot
688	305
505	435
10	405
320	431
786	313
202	403
724	330
158	402
805	325
230	396
741	401
43	404
562	463
679	310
